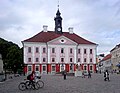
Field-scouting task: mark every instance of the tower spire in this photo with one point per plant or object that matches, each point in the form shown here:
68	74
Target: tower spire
58	4
58	21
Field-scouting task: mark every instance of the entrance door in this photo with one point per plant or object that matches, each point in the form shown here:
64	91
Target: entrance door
44	69
53	69
62	67
71	68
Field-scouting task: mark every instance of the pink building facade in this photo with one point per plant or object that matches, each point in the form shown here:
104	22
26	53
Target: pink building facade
51	52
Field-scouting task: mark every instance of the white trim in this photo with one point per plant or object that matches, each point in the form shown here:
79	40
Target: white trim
62	37
49	55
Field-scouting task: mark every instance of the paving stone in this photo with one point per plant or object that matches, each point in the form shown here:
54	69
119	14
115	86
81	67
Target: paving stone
56	84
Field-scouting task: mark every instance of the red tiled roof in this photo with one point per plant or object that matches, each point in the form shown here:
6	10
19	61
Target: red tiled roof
50	35
106	57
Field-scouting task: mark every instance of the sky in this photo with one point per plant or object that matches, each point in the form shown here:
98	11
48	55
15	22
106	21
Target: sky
95	20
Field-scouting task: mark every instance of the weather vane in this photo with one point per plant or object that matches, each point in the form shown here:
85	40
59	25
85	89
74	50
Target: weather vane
58	4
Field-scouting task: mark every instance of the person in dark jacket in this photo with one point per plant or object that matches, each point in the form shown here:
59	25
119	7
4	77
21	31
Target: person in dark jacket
89	74
64	74
106	76
31	78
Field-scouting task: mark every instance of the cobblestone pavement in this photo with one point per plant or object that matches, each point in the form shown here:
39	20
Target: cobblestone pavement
56	84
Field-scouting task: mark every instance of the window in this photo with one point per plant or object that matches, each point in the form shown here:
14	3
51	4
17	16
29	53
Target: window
62	50
78	59
53	59
71	50
84	59
37	59
44	60
29	49
53	68
62	59
90	59
84	51
44	68
90	51
71	67
44	50
37	68
29	59
78	51
71	59
53	50
62	40
90	67
29	68
37	49
85	67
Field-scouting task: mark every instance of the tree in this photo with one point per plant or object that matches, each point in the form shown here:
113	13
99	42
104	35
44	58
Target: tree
11	54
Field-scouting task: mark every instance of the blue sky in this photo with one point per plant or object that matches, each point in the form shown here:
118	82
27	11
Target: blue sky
94	20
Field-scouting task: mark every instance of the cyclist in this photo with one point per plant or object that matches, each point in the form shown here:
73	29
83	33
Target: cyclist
31	77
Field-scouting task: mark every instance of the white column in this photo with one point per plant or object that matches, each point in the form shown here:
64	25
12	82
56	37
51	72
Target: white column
94	55
82	55
33	54
88	55
75	54
40	51
25	53
48	54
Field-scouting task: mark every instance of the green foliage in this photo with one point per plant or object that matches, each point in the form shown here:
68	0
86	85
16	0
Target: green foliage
11	54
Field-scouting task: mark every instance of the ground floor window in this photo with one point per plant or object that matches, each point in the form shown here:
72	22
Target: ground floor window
36	68
29	68
44	68
85	67
71	67
62	67
53	68
90	67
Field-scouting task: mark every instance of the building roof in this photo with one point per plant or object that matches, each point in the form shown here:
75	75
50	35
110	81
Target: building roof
45	37
117	46
107	57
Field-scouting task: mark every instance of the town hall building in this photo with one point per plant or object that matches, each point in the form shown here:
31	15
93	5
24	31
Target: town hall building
50	52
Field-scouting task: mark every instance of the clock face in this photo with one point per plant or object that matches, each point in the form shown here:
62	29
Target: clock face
59	29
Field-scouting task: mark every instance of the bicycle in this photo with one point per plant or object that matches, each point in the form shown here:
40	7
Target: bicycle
27	84
39	81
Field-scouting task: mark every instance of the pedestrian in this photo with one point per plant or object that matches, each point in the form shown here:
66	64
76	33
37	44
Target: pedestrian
89	74
106	76
64	74
83	75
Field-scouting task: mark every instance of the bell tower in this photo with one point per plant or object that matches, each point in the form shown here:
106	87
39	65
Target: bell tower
58	22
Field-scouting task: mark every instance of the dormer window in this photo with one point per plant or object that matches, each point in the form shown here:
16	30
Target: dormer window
62	40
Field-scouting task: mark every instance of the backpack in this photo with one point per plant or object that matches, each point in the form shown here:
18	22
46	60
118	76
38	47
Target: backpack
29	77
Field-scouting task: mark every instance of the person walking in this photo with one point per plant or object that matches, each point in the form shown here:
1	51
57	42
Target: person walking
64	74
89	74
106	76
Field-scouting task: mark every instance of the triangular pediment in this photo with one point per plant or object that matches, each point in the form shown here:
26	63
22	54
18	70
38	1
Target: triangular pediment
62	40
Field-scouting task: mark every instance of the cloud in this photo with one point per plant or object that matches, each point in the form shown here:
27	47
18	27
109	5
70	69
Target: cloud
94	20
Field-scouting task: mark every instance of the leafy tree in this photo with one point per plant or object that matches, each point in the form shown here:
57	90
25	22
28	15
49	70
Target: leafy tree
11	54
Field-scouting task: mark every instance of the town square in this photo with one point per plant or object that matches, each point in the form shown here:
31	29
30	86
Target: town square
59	46
72	84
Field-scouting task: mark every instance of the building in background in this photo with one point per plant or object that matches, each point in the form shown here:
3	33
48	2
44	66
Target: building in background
106	63
50	52
98	62
115	52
